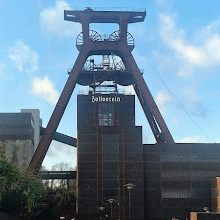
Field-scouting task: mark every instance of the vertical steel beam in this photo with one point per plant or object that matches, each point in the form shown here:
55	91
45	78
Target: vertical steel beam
54	121
149	106
149	116
123	29
147	97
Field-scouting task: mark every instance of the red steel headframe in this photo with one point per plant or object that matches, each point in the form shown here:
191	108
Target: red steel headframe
92	47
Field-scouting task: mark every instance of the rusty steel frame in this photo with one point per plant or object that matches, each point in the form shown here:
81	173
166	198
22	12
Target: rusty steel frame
148	103
147	113
54	121
89	47
62	138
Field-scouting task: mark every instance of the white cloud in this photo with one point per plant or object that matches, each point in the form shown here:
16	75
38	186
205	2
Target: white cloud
193	103
207	54
2	69
52	21
60	153
23	57
61	147
162	99
185	71
45	89
212	27
195	139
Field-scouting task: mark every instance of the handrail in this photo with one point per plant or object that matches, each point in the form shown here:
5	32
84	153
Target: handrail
107	9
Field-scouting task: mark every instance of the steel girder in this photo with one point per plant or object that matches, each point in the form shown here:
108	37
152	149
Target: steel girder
89	47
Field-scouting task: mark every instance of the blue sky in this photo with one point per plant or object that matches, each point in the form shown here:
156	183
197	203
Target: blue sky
178	46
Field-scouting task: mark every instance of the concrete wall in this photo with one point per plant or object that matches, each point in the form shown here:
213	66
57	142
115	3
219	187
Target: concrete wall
17	151
19	136
37	124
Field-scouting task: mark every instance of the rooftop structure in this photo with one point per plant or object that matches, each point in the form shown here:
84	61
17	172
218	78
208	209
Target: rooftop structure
19	136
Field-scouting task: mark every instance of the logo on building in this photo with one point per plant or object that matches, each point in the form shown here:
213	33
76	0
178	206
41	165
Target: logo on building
105	99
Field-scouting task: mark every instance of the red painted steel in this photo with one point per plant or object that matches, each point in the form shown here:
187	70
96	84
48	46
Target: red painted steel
54	121
147	97
90	47
149	116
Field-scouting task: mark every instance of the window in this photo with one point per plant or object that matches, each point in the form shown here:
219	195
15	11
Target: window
106	115
176	193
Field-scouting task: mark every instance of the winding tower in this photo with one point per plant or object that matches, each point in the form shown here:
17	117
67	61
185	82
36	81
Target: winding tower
89	43
118	67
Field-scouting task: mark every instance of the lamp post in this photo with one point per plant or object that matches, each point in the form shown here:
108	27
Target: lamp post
129	186
206	209
111	203
101	208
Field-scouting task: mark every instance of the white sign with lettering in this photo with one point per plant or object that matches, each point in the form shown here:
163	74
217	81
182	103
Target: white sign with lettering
105	99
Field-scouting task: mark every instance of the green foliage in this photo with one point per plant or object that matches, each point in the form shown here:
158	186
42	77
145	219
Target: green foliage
9	175
61	202
20	192
61	195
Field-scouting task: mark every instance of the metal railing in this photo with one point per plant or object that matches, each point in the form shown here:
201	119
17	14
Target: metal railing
87	90
127	9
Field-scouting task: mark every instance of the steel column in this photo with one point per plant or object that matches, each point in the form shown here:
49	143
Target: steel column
54	121
147	97
93	47
148	115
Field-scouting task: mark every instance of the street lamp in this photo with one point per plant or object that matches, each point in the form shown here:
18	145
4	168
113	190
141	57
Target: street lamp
62	217
101	208
111	203
206	209
129	186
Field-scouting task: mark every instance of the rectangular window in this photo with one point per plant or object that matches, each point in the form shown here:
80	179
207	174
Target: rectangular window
176	193
106	115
